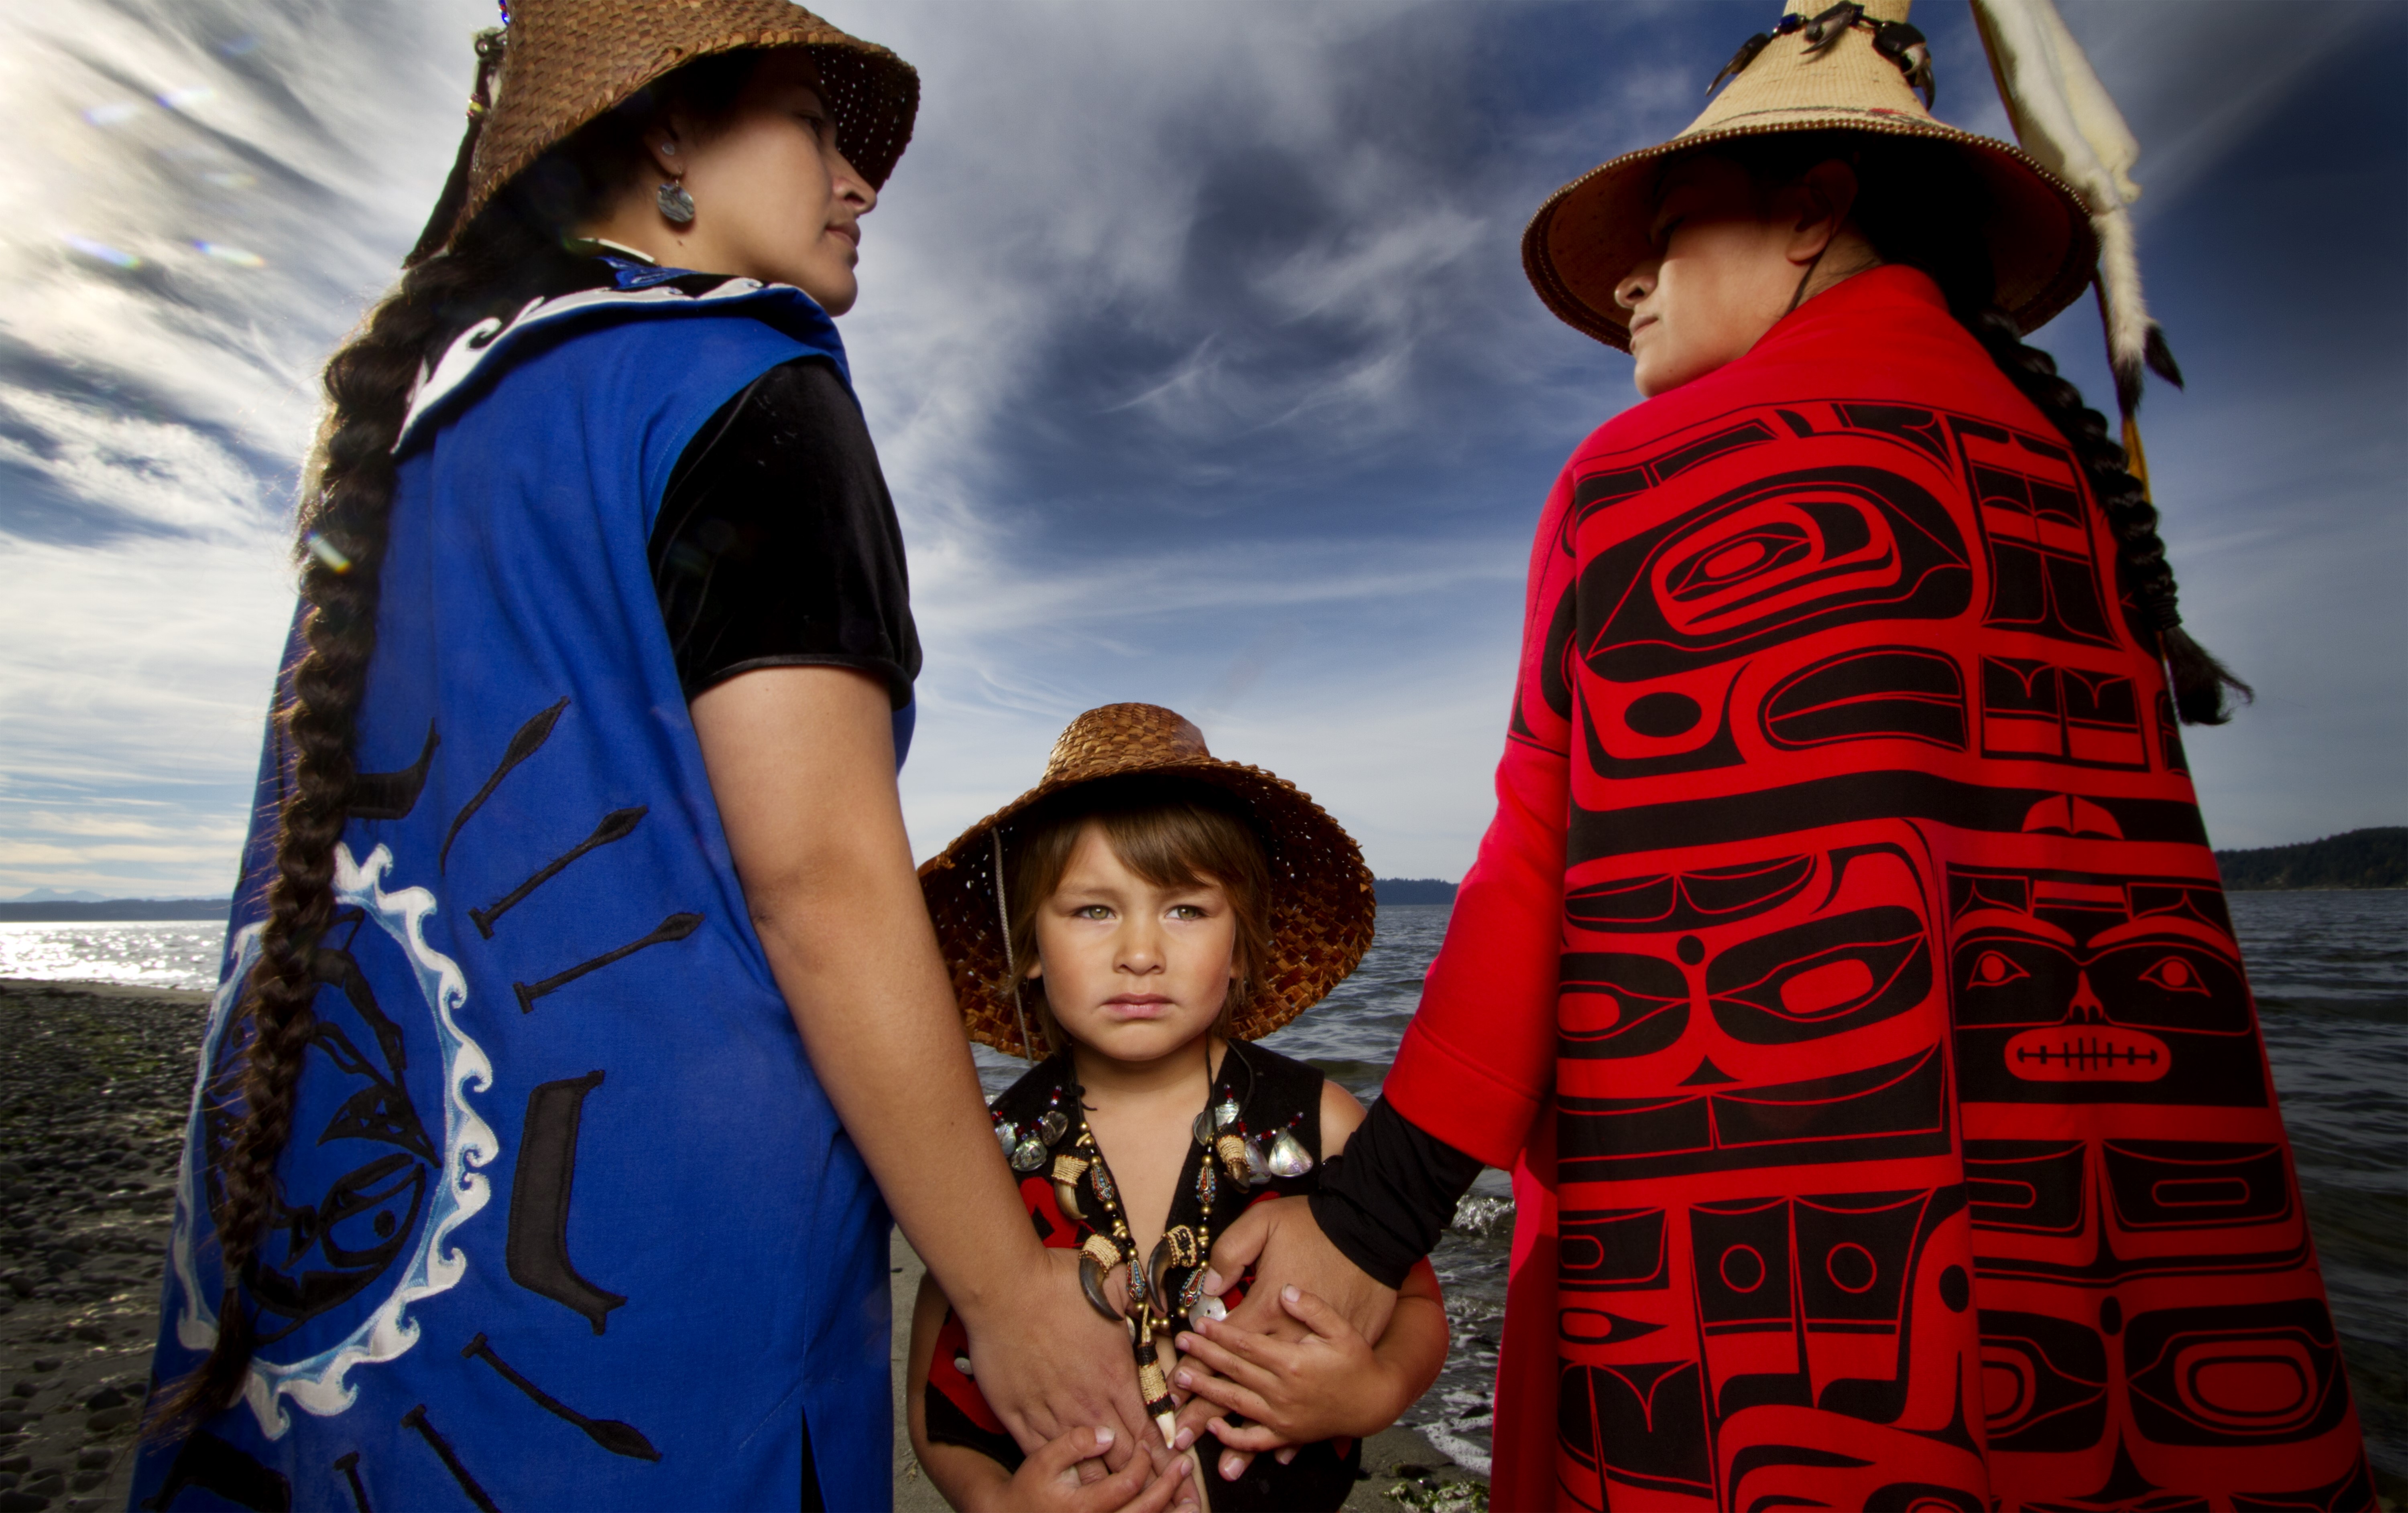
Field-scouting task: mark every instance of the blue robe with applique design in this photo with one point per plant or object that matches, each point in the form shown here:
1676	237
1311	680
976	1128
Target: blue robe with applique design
568	1221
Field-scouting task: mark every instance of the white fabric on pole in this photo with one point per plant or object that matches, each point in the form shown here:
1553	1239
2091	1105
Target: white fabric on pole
2064	117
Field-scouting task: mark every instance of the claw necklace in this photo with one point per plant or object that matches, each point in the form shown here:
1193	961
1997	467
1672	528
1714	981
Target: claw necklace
1155	1304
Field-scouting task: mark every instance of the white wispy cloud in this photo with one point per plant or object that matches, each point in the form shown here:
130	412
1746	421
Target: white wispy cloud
1194	339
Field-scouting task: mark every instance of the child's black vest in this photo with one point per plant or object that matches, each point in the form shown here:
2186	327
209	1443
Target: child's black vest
1274	1094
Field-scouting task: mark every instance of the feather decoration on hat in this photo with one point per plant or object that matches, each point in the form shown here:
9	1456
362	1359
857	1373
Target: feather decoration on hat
2064	117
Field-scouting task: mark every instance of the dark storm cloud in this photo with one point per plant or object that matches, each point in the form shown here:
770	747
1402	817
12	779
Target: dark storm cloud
1331	318
1198	350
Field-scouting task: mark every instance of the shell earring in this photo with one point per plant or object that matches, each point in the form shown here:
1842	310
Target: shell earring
676	205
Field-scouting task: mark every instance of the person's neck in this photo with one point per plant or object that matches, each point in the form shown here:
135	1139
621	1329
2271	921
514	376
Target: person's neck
634	233
1181	1074
634	223
1849	254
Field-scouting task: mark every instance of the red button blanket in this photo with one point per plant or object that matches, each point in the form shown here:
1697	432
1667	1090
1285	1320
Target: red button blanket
1846	977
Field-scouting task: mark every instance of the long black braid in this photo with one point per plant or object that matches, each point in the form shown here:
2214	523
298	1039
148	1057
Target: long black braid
1919	205
511	252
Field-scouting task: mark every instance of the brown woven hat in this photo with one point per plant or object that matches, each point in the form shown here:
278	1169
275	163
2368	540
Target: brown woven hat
1822	71
1321	900
558	64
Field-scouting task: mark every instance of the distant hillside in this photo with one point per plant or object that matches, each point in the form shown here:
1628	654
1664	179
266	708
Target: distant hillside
1412	890
2376	858
114	911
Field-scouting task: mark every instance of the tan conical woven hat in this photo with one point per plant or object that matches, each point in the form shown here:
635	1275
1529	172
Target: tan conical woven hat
1322	906
1591	233
565	62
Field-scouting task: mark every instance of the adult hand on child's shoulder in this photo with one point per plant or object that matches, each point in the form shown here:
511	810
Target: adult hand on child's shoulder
1293	1393
1286	1249
1048	1482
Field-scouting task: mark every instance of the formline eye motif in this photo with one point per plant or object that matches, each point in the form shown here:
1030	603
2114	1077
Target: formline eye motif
2174	975
1996	970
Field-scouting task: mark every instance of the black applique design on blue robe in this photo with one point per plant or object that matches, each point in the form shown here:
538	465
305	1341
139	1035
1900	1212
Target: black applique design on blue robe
567	1219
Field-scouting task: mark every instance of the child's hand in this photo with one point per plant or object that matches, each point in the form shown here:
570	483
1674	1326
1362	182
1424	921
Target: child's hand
1328	1384
1048	1482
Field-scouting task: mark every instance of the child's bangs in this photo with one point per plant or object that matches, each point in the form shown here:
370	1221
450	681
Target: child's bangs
1184	842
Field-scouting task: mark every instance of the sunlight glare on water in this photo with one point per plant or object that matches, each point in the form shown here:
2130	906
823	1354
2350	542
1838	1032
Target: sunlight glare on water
152	954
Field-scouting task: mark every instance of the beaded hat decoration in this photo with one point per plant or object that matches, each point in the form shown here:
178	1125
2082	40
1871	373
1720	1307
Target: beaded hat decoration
1321	902
555	64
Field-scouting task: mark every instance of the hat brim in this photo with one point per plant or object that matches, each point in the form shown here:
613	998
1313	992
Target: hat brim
1321	906
1590	233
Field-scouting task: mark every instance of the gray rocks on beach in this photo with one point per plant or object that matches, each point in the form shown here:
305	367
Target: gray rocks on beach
93	1086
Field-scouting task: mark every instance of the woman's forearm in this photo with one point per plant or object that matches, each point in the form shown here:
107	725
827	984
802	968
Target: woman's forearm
1413	1350
802	763
858	966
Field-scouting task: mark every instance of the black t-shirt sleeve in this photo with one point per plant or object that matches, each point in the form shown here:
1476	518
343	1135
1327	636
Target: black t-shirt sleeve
776	545
1384	1202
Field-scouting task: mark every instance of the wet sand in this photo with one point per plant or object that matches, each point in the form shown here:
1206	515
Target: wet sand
94	1082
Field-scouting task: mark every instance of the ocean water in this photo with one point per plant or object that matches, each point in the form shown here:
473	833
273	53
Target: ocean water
2330	969
158	954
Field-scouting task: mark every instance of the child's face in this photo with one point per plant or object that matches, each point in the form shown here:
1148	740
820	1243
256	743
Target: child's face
1133	970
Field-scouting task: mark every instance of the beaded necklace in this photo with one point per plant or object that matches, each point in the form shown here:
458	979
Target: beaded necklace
1157	1293
1155	1299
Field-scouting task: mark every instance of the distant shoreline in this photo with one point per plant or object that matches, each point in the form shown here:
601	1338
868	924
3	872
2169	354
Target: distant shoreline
115	911
2373	860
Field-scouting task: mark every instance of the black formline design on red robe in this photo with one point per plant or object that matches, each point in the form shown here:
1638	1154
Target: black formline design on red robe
1847	974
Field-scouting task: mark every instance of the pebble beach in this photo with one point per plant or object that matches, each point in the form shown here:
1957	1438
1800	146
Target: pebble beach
93	1086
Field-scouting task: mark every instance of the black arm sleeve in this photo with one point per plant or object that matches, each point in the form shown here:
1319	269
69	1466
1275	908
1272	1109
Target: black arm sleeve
1385	1201
776	544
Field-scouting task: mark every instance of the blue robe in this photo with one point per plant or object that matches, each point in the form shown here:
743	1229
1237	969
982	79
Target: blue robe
568	1222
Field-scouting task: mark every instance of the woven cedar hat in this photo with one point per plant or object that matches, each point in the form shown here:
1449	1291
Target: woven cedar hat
1821	70
556	65
1321	904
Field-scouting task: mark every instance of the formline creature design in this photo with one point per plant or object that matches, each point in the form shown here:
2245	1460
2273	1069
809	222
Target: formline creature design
1911	1126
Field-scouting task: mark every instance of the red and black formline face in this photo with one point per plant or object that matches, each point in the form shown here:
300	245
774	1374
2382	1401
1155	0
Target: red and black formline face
1679	1041
2141	1272
2086	989
1772	1023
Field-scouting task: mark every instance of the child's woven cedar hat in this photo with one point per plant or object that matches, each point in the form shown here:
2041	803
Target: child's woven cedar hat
1826	67
1321	904
556	65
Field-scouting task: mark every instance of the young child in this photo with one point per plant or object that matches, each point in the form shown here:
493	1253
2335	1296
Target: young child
1158	910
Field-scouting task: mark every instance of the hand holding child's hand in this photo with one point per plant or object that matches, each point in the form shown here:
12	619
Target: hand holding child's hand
1328	1384
1048	1482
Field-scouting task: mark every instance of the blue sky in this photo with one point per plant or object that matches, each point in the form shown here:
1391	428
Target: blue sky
1196	346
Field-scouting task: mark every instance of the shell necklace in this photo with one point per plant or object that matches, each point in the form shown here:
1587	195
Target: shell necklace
1155	1300
1155	1304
